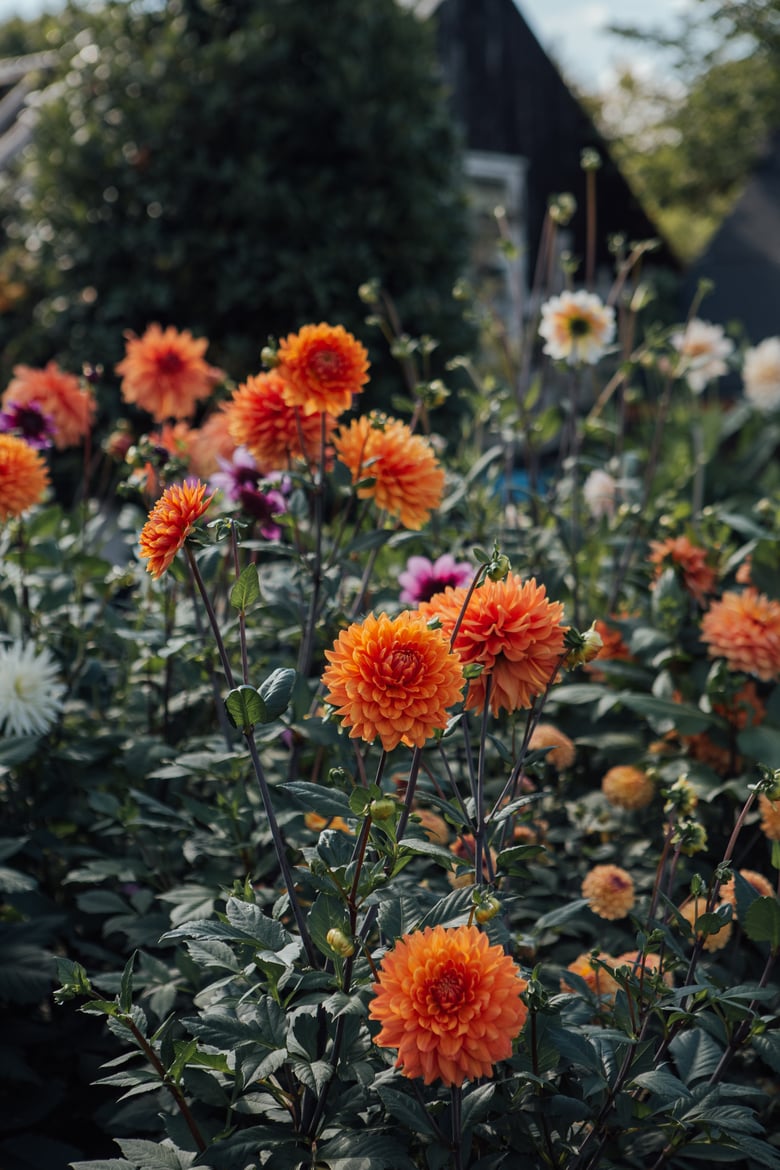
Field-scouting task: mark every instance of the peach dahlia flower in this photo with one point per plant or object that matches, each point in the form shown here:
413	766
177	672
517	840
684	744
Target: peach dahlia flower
744	629
609	890
512	630
392	679
627	787
57	394
698	576
449	1002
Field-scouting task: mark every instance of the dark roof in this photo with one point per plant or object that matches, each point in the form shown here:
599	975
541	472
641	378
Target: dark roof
509	97
743	257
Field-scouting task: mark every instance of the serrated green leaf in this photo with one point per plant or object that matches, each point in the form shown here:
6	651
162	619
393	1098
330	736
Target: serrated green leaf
246	589
696	1055
421	845
663	1083
561	915
147	1155
406	1109
250	920
126	987
276	692
245	708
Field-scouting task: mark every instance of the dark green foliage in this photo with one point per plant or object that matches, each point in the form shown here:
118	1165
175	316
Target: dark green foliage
236	169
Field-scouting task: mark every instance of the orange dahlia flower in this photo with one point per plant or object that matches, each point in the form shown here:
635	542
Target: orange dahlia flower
406	479
392	679
698	576
164	372
450	1003
209	443
317	823
562	751
613	648
770	817
744	628
260	419
170	522
609	890
512	630
598	979
627	787
322	367
57	394
24	476
762	886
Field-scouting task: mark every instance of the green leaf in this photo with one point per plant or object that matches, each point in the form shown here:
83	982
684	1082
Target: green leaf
245	708
407	1110
126	986
252	922
276	692
326	802
453	910
246	589
762	922
561	915
14	882
696	1055
663	1083
364	1151
517	856
421	845
760	743
664	714
153	1156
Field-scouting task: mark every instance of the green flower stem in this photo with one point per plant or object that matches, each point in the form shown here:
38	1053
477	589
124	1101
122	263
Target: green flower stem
241	613
265	791
306	650
456	1100
198	579
281	851
481	850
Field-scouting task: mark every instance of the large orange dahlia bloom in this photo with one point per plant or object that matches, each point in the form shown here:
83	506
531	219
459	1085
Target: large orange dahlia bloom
450	1003
170	522
405	478
59	395
24	476
698	575
260	419
165	373
392	679
512	630
744	628
322	367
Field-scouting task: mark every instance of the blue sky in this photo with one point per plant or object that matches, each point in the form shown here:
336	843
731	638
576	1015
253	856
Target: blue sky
573	31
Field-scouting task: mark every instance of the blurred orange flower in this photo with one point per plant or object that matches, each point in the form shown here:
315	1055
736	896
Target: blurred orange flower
24	476
762	886
512	630
450	1003
714	941
770	817
562	751
322	367
317	823
613	648
650	962
274	432
698	576
627	787
209	443
392	679
609	890
57	394
406	479
597	978
744	629
170	522
164	372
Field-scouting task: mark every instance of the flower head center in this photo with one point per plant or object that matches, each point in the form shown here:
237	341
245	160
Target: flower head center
450	989
404	664
325	363
170	362
579	326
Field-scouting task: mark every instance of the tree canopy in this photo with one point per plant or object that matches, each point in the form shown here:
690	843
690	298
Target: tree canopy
236	169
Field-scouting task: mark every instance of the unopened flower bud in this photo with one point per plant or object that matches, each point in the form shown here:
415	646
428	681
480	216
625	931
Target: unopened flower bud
268	356
383	808
340	942
499	568
681	797
590	159
691	837
488	908
583	647
562	208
